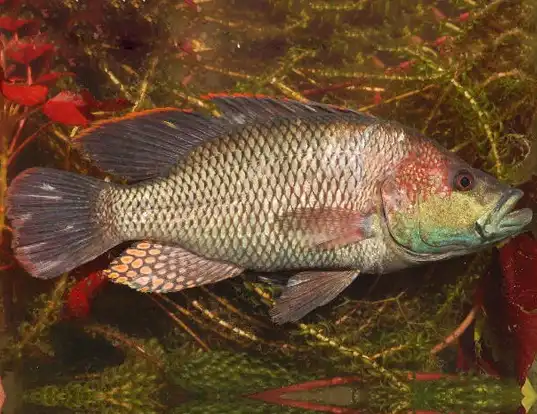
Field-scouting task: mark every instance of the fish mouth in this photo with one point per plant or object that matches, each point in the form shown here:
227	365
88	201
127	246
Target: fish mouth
503	221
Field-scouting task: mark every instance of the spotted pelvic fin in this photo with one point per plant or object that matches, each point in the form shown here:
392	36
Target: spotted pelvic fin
152	267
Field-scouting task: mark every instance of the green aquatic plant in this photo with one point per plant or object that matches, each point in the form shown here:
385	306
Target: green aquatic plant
220	381
131	387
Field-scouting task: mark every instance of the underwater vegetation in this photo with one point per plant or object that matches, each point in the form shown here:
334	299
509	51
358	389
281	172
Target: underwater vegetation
451	337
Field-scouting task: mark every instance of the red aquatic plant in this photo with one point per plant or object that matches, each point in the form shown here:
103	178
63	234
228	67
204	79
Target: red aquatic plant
515	329
499	336
2	395
29	92
309	395
79	297
27	81
283	396
28	86
519	267
510	307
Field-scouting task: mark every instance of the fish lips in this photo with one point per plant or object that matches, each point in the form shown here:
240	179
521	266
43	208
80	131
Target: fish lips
503	221
500	223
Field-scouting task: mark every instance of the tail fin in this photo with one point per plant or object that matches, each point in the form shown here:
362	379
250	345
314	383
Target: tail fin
54	225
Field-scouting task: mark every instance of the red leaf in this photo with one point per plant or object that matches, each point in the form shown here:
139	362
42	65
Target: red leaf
108	105
78	300
25	52
11	24
440	40
53	76
112	105
67	108
188	47
464	16
519	265
77	304
377	62
88	98
416	40
187	79
28	95
192	4
438	14
406	65
377	98
9	70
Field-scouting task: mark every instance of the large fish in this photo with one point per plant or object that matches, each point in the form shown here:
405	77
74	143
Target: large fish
269	185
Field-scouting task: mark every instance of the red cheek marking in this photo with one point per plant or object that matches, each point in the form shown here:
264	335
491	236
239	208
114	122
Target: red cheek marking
424	172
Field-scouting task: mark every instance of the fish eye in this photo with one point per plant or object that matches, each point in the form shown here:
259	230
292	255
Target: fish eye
464	181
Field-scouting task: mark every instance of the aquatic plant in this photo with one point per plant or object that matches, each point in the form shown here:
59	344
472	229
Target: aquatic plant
462	72
506	295
223	381
131	387
35	98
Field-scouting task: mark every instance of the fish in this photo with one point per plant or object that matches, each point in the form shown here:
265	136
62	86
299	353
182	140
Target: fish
263	184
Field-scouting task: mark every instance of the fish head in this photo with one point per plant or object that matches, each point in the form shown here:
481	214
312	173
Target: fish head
436	206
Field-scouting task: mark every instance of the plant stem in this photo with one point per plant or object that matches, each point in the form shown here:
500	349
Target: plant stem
452	337
27	141
183	325
20	127
356	352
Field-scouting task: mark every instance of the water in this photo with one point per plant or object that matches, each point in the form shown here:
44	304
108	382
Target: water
461	71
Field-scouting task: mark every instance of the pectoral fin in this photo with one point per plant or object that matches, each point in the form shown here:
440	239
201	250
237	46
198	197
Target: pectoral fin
151	267
328	227
309	290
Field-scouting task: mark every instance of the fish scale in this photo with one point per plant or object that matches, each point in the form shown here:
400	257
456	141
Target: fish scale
267	185
201	213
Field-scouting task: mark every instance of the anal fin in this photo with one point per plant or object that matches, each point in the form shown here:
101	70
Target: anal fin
151	267
308	290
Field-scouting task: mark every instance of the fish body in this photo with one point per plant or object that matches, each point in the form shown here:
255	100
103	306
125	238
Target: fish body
252	196
268	185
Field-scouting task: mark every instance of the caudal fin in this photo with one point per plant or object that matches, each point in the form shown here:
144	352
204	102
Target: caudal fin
55	228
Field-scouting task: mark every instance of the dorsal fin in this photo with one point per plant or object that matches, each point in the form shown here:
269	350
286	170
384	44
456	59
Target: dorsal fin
146	144
149	143
240	108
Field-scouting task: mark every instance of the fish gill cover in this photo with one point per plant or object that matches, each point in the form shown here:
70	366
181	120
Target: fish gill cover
460	71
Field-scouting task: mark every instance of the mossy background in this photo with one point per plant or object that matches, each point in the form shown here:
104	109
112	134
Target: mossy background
462	71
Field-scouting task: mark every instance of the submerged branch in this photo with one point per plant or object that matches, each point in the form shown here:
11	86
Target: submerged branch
126	342
452	337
